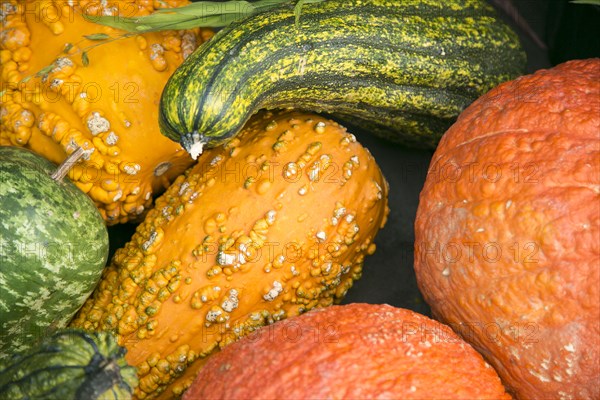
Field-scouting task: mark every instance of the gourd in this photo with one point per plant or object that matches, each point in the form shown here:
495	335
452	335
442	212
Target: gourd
507	231
69	364
274	223
53	248
402	69
355	351
59	93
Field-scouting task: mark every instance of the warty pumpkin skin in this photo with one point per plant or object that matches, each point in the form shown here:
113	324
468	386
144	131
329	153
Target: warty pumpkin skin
508	251
109	107
274	223
355	351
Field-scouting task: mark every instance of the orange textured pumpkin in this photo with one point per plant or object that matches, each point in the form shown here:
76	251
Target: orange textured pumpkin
356	351
274	223
109	107
508	231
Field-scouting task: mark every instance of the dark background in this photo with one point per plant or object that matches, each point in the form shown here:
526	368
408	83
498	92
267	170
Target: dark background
551	32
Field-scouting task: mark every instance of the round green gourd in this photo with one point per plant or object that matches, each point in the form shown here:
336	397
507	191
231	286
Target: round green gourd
70	364
53	248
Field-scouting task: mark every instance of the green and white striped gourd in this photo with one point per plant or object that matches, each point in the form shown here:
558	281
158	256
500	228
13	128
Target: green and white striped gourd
53	248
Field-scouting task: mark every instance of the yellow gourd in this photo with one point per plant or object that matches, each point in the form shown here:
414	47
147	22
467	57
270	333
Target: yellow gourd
59	93
274	223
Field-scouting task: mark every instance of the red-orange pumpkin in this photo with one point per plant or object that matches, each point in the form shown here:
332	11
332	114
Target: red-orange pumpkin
508	231
356	351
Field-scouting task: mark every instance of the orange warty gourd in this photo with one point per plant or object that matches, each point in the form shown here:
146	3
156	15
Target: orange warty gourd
109	107
355	351
508	231
274	223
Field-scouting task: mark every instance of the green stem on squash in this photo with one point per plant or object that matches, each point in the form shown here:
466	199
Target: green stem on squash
590	2
199	14
207	14
64	168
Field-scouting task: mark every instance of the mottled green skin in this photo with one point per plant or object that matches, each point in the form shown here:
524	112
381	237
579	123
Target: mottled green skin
71	365
53	248
403	69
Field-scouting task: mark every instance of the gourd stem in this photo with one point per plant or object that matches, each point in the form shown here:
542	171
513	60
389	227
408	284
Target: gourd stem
64	168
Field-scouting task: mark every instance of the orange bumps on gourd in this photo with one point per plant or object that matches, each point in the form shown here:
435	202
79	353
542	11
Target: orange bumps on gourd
274	223
52	101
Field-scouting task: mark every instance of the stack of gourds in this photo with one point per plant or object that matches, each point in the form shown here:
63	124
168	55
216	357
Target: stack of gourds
254	204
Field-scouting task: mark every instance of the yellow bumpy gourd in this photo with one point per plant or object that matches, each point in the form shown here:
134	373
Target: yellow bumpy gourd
67	82
274	223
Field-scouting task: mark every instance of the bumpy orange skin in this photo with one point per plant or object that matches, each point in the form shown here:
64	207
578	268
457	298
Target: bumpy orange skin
274	223
508	247
110	107
355	351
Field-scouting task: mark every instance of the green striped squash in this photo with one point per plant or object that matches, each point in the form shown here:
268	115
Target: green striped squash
401	69
69	365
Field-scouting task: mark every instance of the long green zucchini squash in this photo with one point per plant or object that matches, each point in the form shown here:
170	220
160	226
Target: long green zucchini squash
401	69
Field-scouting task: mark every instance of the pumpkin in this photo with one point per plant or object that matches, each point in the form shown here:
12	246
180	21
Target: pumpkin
274	223
354	351
59	93
69	364
508	231
53	248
